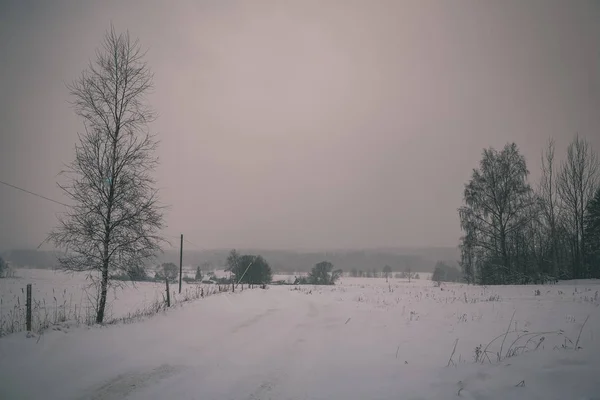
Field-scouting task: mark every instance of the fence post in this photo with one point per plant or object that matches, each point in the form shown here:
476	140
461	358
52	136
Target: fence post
168	294
28	304
180	263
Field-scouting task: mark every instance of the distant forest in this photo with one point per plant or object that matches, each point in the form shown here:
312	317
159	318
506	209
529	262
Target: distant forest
281	261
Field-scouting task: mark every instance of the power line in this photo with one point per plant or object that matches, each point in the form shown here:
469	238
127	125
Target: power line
66	205
184	239
187	241
35	194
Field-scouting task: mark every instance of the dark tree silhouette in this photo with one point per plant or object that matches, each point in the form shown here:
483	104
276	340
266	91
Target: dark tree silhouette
115	219
592	235
3	267
323	274
445	273
249	269
387	270
498	206
577	183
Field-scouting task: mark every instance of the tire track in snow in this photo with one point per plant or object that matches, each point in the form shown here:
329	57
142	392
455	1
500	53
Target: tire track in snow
254	320
286	363
313	311
125	384
263	392
222	367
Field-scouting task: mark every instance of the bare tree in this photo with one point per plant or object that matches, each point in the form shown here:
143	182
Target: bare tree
549	201
387	270
115	219
577	183
592	230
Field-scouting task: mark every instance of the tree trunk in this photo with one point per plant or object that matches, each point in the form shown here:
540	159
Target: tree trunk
554	250
103	291
106	259
504	251
580	234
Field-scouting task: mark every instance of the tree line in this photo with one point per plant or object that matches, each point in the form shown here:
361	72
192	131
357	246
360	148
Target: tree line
518	232
386	272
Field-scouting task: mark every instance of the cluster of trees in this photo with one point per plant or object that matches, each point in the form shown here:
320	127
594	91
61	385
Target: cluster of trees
516	233
139	273
3	267
321	274
199	276
290	262
446	273
249	269
29	258
135	273
324	274
407	274
369	273
168	271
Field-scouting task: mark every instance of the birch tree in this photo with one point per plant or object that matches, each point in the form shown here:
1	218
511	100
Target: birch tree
550	202
115	218
498	207
577	182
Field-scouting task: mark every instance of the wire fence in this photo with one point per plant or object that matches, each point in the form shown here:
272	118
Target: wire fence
62	310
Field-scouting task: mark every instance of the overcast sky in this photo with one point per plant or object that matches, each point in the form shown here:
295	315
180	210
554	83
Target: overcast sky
304	124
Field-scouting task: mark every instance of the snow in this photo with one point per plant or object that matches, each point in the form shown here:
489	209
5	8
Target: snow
361	339
73	289
56	294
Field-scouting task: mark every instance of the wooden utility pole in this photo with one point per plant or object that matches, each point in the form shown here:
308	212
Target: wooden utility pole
168	293
28	305
180	263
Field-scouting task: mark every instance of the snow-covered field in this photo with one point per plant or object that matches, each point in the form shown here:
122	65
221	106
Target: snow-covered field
361	339
60	296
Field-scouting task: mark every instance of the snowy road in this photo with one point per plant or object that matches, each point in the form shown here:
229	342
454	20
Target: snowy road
279	344
253	345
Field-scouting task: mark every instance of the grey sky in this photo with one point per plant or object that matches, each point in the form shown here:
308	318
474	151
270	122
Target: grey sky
305	124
